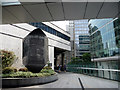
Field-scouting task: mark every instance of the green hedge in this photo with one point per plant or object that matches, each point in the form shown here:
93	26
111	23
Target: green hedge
22	74
9	70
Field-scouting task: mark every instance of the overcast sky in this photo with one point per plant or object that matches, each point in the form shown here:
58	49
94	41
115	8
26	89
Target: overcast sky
61	24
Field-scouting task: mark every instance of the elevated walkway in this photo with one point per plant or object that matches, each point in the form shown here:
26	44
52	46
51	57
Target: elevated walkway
73	80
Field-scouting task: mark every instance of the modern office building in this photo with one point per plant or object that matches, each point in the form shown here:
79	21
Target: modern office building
71	29
105	38
84	44
80	41
105	43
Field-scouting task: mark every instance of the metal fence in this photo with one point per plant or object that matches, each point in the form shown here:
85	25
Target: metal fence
92	70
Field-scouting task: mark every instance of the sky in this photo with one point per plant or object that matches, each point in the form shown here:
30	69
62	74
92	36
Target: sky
61	24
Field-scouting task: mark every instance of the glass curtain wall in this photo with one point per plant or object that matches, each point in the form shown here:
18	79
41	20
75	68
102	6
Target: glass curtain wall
80	36
105	37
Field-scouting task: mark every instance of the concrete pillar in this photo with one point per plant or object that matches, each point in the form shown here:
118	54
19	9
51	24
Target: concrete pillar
18	52
55	61
51	55
62	61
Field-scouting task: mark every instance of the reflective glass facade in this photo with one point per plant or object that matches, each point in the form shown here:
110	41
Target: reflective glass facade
104	37
80	36
84	43
50	30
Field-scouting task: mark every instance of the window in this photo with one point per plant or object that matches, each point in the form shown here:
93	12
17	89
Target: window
50	30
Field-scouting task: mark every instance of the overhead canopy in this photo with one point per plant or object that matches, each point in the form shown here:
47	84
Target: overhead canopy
54	11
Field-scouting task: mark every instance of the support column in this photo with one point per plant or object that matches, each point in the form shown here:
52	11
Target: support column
51	55
62	61
55	61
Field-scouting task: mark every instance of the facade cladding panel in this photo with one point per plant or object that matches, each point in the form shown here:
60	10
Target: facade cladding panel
105	37
80	37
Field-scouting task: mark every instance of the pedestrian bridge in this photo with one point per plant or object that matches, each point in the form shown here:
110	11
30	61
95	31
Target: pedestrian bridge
73	80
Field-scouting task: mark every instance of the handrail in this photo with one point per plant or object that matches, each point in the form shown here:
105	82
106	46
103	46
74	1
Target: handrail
99	69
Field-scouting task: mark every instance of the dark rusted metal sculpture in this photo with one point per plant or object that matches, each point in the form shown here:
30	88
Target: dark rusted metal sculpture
35	50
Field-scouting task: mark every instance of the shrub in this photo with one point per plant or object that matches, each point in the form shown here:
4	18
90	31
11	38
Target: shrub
7	58
23	69
25	75
46	74
9	70
18	74
49	71
22	74
37	75
47	67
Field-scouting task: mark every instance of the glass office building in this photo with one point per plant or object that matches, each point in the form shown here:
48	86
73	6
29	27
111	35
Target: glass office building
104	38
84	44
80	37
105	45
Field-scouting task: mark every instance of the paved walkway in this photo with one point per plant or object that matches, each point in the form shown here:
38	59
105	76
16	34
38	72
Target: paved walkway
94	82
65	80
71	80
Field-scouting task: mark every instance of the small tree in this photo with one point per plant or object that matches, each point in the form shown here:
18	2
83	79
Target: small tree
75	60
7	58
86	57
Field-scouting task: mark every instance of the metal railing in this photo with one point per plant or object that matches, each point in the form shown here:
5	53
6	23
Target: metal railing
92	70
